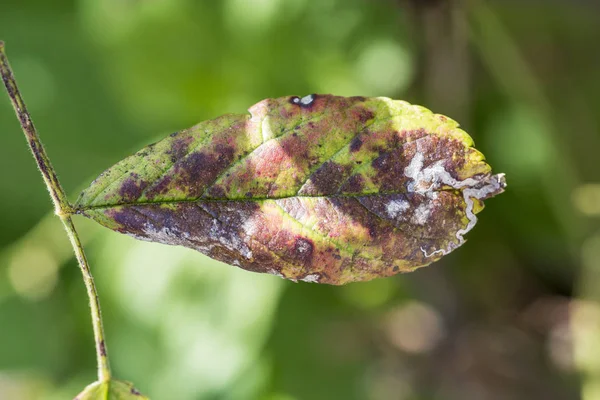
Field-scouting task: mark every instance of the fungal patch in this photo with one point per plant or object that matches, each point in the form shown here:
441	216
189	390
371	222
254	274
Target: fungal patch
314	278
164	235
229	239
170	236
422	213
395	208
426	180
276	273
174	236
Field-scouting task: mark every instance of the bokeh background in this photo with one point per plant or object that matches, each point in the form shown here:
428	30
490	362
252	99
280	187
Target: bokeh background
513	314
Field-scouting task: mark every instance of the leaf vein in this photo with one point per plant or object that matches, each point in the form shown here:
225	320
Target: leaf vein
238	162
317	233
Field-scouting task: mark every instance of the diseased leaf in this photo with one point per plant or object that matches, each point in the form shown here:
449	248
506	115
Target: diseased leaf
112	390
321	188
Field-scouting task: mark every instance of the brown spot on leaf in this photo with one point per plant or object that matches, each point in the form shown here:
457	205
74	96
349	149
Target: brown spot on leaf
179	148
358	99
390	168
303	249
217	192
200	168
132	188
356	144
354	184
161	187
295	146
364	115
326	179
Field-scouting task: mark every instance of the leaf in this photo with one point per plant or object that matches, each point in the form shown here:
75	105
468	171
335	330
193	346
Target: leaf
321	188
112	390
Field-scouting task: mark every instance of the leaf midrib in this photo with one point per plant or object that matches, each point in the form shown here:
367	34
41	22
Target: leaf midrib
80	208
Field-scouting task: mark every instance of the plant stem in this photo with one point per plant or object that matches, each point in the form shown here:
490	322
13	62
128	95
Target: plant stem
62	208
88	279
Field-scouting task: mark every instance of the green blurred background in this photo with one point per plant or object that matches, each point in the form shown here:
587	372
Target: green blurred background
513	314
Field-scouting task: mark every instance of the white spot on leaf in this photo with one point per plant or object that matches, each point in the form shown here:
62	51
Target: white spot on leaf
314	278
422	213
307	100
228	239
276	273
395	208
303	246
